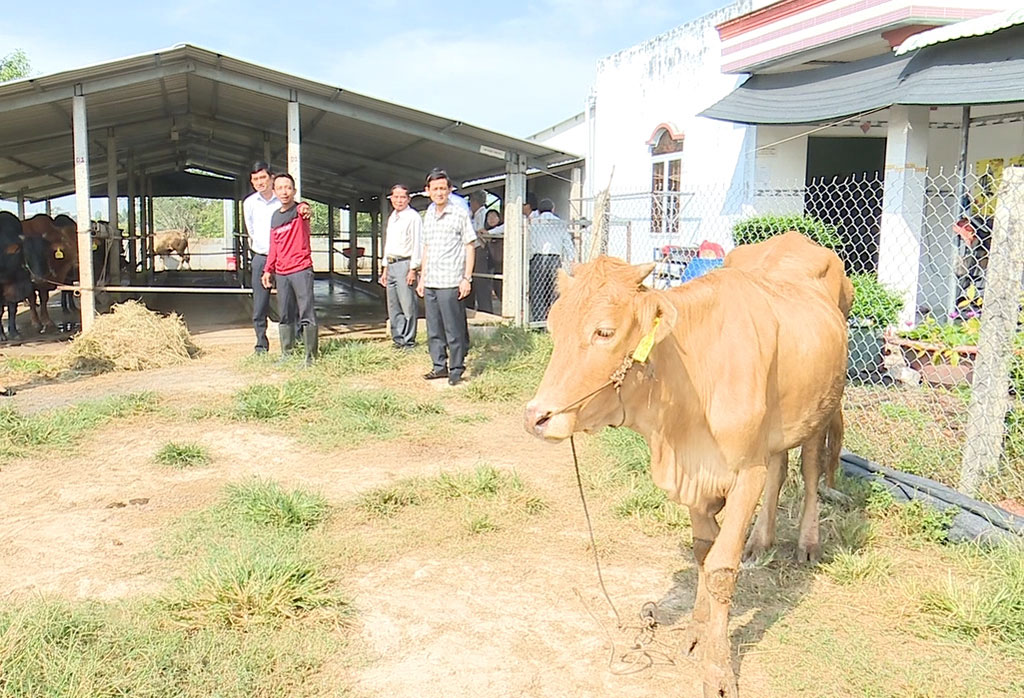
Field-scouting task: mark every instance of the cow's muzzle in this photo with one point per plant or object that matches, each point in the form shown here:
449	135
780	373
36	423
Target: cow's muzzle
538	421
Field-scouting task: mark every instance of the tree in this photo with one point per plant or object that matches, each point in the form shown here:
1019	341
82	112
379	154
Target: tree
14	65
200	217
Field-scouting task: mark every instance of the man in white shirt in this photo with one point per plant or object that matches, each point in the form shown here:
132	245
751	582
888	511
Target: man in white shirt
402	248
551	248
446	279
257	210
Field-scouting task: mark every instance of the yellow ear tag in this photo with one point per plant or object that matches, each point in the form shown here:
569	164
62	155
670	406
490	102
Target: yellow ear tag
59	254
643	349
95	246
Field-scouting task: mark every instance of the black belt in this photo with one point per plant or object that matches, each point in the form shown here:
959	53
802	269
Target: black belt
392	260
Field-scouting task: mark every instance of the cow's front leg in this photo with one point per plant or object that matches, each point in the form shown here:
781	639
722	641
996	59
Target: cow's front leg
44	311
12	320
705	530
762	537
721	567
34	311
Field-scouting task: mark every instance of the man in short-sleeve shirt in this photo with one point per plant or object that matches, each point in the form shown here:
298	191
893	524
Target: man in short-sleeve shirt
446	279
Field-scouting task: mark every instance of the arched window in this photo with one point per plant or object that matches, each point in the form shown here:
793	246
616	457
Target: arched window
666	145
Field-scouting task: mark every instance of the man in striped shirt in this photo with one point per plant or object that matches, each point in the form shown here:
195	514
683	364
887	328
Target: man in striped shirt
446	279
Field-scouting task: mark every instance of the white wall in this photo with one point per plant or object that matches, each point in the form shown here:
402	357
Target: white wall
671	78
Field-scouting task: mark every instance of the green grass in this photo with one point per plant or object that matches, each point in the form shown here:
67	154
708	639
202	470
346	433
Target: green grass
55	648
987	602
347	416
32	365
508	365
351	357
849	567
266	582
267	402
182	455
61	429
265	503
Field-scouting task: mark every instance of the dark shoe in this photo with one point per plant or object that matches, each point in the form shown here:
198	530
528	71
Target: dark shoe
455	379
259	351
312	341
434	375
287	335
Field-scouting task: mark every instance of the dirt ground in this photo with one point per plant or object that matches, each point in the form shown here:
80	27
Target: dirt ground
523	621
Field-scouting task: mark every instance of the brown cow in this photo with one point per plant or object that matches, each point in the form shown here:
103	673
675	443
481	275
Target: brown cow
167	242
784	257
742	369
52	257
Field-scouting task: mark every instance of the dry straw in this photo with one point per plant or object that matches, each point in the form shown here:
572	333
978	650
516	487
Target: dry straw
131	338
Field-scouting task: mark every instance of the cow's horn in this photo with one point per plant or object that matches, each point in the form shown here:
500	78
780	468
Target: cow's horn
641	271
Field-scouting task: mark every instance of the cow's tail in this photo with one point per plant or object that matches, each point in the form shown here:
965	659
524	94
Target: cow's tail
833	447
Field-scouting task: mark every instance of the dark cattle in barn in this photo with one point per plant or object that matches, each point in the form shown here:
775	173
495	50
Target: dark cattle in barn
47	258
15	283
67	272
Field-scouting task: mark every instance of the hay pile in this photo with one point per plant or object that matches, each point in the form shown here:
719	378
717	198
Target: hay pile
131	338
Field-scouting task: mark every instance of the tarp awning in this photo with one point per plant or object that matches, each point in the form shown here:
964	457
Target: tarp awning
976	70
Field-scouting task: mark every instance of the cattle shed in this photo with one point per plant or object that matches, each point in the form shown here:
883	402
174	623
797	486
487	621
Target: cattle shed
188	121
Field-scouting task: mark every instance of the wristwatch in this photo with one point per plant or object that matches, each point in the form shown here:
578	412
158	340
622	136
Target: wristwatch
466	278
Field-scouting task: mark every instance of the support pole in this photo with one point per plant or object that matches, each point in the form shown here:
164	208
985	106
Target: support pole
266	148
49	208
353	244
132	228
143	226
330	244
113	241
986	411
80	131
21	205
374	248
150	229
576	207
513	272
295	145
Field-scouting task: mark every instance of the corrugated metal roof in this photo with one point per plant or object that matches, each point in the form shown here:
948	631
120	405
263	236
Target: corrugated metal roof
987	70
979	26
191	107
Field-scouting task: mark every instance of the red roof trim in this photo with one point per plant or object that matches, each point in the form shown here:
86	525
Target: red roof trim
673	133
766	15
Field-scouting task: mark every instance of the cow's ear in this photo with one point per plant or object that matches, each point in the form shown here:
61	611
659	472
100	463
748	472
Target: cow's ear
565	282
639	272
656	305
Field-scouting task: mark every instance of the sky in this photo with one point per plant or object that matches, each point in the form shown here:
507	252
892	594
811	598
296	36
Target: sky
515	68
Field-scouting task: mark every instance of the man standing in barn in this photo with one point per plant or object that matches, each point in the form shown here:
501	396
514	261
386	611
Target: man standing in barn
446	279
402	249
257	209
291	261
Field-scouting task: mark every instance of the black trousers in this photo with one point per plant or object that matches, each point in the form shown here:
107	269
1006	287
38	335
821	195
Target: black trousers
447	330
543	278
295	293
260	301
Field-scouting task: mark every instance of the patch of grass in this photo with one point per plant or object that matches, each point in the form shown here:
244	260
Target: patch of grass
849	567
475	418
268	402
345	416
387	501
484	481
55	648
256	584
266	504
508	365
480	523
182	455
29	365
350	357
985	603
62	428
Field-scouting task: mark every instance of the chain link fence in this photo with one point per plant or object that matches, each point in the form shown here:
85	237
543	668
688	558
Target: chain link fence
921	250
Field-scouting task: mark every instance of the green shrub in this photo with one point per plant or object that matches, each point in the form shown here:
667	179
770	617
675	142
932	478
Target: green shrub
760	228
874	304
266	504
182	455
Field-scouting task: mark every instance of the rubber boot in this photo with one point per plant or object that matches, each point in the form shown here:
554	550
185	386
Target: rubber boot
312	341
287	334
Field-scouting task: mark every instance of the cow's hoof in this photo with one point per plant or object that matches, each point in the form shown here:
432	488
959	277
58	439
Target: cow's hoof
808	553
691	637
719	681
756	548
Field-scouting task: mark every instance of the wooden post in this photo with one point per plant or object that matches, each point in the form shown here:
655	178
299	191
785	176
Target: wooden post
132	229
986	412
330	245
295	145
353	243
113	241
514	261
80	131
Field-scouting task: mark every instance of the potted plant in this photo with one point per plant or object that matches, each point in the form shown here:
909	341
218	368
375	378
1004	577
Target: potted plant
875	307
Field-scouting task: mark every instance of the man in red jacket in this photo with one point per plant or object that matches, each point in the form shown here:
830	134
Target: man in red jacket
291	261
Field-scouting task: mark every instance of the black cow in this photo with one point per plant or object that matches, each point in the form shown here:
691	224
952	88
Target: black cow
15	281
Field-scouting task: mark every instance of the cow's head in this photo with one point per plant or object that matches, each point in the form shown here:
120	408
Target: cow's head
599	319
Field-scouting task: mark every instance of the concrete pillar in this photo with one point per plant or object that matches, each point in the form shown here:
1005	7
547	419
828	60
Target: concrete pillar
295	145
49	208
80	131
149	228
21	205
514	282
330	243
143	224
376	219
576	206
132	229
903	200
353	244
266	148
114	240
